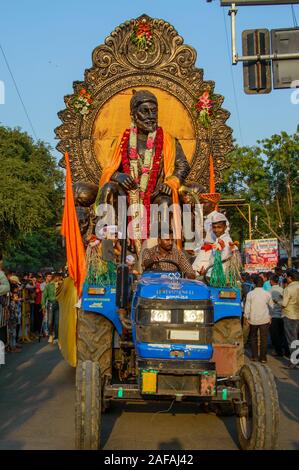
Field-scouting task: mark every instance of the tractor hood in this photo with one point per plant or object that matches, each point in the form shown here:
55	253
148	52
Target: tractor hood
166	286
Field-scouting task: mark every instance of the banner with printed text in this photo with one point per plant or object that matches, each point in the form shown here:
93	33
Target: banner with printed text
261	255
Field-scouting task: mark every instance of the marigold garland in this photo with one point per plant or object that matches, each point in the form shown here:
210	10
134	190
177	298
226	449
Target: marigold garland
142	35
82	102
127	155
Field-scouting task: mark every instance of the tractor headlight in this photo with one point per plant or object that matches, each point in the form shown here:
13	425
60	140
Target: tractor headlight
161	316
194	316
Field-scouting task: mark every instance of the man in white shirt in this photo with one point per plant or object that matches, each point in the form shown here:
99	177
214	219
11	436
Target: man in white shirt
257	313
290	311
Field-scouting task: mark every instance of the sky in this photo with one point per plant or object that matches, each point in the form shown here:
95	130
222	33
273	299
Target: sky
48	45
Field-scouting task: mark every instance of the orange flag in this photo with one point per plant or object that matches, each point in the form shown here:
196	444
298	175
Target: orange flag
212	176
75	252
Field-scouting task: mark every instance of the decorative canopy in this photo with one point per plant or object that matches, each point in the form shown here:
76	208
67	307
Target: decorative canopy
144	53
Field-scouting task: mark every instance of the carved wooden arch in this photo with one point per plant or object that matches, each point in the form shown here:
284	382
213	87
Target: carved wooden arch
168	64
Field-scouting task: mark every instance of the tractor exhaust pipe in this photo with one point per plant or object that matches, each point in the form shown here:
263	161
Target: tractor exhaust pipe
122	273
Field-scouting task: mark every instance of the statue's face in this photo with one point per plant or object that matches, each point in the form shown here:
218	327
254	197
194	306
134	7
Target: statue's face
146	117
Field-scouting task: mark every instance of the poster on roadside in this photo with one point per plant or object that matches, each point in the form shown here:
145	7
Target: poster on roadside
261	255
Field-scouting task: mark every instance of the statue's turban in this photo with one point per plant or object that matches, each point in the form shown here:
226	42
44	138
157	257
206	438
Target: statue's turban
142	96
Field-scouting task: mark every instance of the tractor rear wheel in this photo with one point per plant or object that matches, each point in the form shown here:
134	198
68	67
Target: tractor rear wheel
95	343
258	429
95	340
88	406
229	331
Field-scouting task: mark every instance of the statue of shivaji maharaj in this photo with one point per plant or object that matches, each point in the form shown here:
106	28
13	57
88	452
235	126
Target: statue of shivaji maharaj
146	161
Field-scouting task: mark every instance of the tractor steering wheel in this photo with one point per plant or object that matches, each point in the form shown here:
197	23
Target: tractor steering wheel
164	260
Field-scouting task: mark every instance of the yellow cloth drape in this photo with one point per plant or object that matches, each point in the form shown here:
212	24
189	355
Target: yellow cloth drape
67	337
114	162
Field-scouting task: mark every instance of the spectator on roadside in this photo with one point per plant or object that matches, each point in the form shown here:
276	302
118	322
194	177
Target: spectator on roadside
31	299
290	306
13	321
4	283
48	279
51	306
257	314
38	314
266	278
277	327
279	272
43	283
246	286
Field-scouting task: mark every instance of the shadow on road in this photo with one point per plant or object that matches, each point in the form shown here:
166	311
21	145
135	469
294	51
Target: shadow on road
156	409
22	384
288	392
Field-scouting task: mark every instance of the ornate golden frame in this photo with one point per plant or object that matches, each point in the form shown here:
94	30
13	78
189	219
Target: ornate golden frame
168	64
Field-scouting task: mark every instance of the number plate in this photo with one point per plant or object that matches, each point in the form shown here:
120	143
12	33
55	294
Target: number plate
191	335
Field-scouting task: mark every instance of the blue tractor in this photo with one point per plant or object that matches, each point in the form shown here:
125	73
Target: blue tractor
163	337
169	338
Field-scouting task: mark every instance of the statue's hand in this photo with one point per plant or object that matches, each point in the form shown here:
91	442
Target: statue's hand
126	181
165	189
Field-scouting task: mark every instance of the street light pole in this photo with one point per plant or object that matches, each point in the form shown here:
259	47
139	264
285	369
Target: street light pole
232	12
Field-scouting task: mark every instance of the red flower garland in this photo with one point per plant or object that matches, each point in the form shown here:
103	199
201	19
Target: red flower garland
154	171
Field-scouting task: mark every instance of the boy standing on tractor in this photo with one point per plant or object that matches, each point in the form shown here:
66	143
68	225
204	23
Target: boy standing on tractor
222	242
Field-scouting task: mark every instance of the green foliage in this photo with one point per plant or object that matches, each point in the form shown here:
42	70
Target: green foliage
31	189
266	175
36	251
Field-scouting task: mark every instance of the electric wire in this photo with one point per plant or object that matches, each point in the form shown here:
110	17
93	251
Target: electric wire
233	81
294	16
18	92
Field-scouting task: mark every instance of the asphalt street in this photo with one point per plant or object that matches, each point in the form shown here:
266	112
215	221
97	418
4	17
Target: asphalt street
37	389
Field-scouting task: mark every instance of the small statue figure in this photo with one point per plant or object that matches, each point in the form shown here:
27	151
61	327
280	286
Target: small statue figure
84	196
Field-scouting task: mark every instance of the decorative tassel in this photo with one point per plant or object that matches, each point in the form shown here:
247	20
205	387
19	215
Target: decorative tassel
218	278
99	272
233	273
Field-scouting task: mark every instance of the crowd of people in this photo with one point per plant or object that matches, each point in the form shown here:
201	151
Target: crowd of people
29	309
271	310
270	303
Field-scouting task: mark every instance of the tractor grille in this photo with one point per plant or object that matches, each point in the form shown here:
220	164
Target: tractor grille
149	332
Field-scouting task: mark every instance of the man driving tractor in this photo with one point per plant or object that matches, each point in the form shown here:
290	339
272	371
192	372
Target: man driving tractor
166	250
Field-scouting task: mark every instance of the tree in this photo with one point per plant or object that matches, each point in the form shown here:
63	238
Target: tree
266	175
31	190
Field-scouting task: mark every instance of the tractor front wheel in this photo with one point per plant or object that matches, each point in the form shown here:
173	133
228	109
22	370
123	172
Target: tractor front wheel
88	406
229	331
258	427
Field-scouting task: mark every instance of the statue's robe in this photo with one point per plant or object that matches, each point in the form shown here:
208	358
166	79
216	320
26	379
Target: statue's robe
174	168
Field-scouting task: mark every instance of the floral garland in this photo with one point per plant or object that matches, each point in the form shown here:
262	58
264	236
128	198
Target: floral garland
146	183
205	108
82	102
142	35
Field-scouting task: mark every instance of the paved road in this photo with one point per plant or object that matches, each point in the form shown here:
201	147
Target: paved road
37	411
